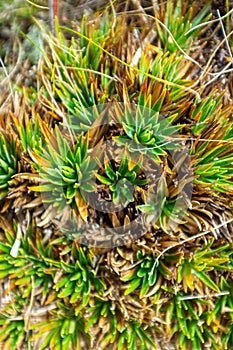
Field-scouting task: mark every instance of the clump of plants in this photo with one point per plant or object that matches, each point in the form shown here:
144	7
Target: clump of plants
116	190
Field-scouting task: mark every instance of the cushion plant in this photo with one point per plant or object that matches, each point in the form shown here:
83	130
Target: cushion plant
124	115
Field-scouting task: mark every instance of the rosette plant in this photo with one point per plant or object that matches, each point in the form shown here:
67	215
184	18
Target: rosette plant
121	179
8	162
66	172
146	132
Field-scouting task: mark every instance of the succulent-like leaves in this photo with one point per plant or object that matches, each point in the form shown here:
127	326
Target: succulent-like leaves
179	21
68	171
8	162
121	179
